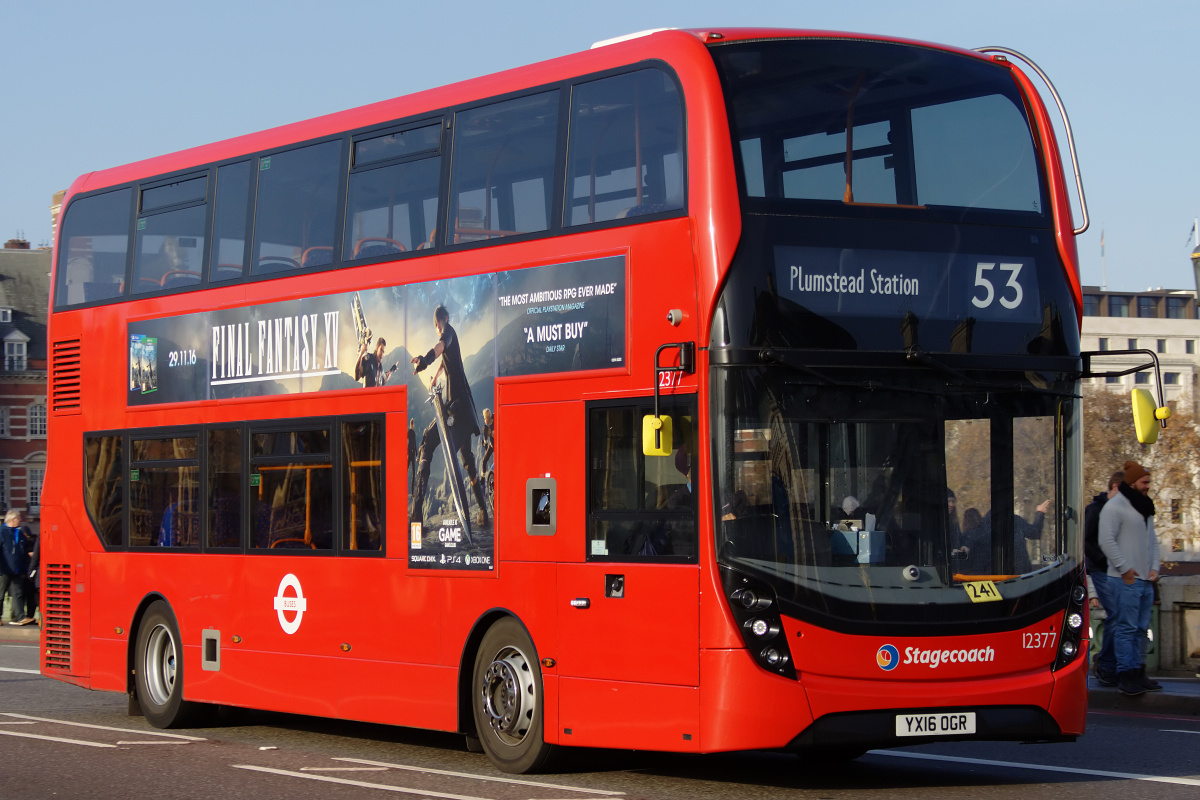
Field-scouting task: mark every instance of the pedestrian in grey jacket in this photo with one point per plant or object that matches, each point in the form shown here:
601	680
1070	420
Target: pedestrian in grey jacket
1128	541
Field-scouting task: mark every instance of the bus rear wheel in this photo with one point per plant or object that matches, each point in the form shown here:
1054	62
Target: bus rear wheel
158	670
507	699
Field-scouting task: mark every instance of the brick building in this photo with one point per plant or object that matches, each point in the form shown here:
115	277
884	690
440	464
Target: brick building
24	300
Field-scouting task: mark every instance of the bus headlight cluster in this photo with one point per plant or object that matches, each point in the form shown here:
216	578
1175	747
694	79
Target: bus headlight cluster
1071	641
756	609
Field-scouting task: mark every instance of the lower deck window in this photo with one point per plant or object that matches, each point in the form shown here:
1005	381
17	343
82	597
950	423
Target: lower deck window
310	486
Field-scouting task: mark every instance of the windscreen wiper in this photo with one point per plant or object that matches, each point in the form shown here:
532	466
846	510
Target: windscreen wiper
916	355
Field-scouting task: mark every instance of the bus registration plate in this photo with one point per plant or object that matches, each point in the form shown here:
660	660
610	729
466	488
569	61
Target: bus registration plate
957	723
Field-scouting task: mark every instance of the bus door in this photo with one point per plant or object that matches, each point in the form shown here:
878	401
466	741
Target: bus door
629	612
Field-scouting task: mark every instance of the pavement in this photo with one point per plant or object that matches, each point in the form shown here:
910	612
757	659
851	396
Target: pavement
1180	694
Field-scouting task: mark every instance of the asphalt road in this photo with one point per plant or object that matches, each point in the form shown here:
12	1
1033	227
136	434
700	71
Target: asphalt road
61	741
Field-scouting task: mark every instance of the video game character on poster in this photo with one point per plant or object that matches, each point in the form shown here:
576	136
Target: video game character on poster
450	523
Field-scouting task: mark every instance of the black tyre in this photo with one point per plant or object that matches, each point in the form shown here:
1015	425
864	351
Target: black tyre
158	670
507	699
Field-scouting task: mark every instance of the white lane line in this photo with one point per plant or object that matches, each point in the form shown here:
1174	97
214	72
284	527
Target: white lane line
481	777
343	769
57	739
22	671
16	723
1100	773
362	784
105	727
131	742
1169	730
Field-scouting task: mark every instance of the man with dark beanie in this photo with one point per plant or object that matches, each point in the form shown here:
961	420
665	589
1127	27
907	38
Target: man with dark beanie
1128	541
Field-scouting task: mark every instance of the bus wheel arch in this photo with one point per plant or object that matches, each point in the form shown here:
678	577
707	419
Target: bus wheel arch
157	668
504	696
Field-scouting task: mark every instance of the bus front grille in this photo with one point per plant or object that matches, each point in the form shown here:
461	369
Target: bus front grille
56	617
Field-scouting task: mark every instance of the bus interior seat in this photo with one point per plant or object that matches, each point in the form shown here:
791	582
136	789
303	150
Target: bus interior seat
375	246
179	277
317	256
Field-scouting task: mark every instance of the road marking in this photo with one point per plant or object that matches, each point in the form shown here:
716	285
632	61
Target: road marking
104	727
57	739
362	784
1168	730
1100	773
480	777
22	671
129	742
343	769
15	723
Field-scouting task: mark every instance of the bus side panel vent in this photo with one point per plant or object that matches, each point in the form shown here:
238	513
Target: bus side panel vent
56	617
64	377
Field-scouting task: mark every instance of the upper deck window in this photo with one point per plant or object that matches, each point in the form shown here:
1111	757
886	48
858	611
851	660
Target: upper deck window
228	258
625	155
93	248
295	218
393	197
502	181
877	123
171	232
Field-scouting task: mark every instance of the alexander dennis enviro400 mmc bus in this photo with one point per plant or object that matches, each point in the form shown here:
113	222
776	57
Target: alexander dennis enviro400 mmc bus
704	391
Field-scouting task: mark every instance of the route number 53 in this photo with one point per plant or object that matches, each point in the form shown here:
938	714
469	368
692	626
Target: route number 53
983	280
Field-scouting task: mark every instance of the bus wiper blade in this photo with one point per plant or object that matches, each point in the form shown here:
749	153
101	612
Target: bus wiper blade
769	355
915	355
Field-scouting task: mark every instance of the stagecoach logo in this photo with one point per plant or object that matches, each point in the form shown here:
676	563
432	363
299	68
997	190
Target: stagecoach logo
887	657
285	605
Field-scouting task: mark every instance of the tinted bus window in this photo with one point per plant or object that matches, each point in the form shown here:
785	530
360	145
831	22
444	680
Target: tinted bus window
397	145
172	194
170	249
164	481
291	490
104	467
362	485
392	209
296	214
863	122
92	249
228	259
225	487
626	148
639	506
502	181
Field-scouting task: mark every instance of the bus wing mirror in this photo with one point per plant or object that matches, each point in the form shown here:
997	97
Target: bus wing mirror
656	435
1146	416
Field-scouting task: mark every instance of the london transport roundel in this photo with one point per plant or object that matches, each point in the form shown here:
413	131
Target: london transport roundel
888	657
295	604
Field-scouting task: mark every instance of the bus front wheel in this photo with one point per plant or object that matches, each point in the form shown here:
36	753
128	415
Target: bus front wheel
507	699
158	669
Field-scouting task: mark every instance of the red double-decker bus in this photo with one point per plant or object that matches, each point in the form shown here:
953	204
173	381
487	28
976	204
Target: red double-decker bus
704	391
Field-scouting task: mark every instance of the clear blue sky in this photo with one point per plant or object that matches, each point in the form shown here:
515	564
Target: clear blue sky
91	84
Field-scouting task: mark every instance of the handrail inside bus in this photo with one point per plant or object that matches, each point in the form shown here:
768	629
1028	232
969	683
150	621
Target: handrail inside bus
1066	124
